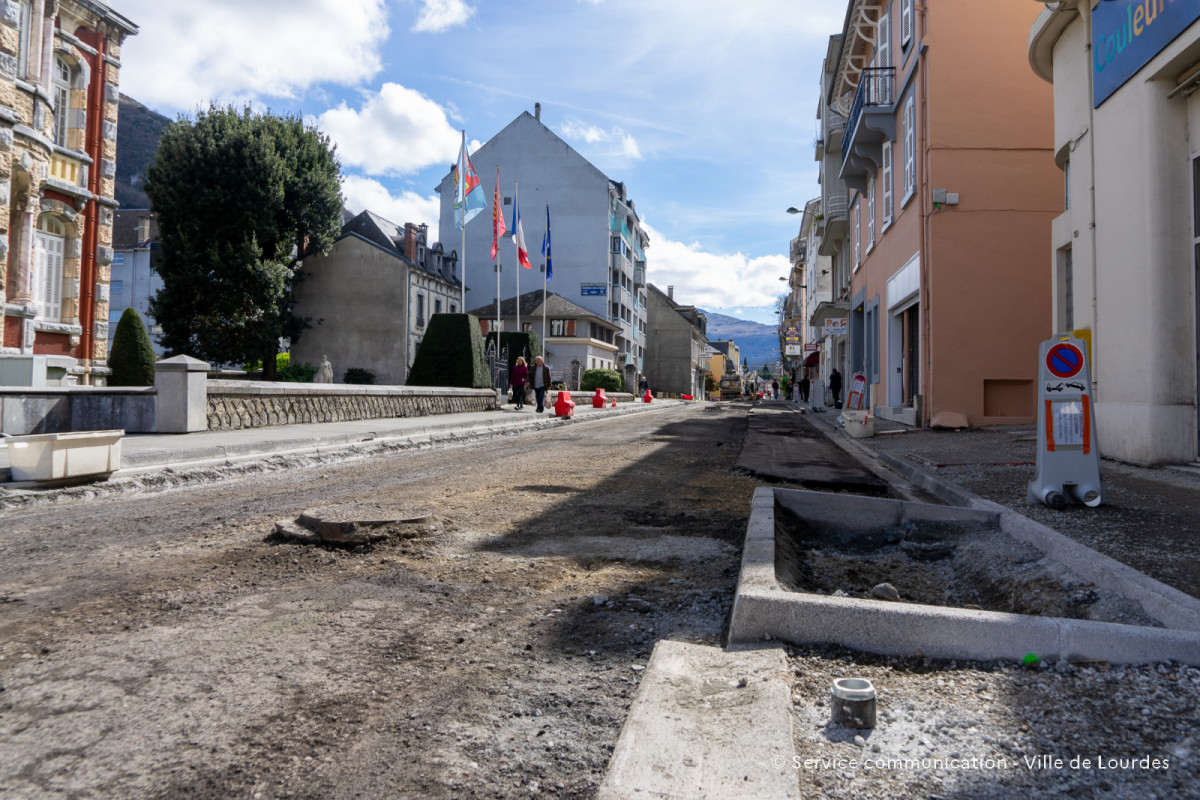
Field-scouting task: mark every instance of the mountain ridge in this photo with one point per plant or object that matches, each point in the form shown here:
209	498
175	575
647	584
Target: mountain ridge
758	343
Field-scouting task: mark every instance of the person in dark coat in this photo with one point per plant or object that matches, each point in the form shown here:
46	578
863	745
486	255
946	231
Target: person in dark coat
804	383
520	373
540	380
835	387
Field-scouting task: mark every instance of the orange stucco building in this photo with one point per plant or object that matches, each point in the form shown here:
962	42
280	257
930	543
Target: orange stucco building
938	190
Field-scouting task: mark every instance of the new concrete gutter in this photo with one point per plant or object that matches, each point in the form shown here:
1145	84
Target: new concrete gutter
764	609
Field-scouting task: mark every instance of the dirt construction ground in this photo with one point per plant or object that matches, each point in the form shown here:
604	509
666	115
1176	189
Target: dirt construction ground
165	644
159	640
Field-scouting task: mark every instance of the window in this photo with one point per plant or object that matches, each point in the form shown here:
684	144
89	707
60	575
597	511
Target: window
910	149
453	308
906	22
857	235
118	259
420	310
886	171
883	40
114	315
48	247
116	287
437	306
1067	185
1066	288
25	33
61	92
870	212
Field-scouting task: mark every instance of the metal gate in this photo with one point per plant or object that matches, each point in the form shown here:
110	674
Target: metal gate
498	366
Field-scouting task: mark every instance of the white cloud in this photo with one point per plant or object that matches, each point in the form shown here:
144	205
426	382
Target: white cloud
440	15
188	54
577	130
712	280
397	131
367	194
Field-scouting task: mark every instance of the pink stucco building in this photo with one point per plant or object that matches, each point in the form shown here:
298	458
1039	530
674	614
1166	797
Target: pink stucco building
938	190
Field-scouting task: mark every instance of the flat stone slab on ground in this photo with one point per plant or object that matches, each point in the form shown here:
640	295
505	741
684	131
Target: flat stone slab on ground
707	723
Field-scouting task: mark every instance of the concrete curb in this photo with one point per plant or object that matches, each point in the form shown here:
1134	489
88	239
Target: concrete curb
707	723
763	609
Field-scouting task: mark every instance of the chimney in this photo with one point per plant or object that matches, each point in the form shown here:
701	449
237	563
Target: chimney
670	292
410	241
537	111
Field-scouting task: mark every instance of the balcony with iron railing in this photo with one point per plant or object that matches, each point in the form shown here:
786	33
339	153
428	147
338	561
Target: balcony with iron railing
872	121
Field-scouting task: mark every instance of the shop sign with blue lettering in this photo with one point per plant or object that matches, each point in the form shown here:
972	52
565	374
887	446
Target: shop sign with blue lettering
1126	34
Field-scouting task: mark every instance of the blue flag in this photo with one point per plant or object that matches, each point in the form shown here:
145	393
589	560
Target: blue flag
546	246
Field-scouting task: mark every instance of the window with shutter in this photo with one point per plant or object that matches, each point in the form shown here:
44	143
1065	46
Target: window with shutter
47	268
570	327
906	22
870	212
883	42
857	235
886	171
910	149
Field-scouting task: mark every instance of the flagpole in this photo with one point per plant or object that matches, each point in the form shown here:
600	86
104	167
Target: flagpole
546	278
545	286
516	212
462	253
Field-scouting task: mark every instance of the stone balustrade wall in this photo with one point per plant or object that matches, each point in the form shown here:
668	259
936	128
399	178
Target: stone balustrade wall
233	405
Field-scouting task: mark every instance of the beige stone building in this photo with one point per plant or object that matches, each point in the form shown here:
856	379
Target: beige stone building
59	71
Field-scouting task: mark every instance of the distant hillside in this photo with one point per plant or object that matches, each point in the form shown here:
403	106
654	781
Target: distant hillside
758	343
138	132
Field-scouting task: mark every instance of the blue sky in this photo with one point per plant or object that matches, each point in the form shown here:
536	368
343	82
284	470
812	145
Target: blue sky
705	110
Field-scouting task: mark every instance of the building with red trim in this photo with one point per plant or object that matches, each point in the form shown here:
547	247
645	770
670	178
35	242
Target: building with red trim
59	72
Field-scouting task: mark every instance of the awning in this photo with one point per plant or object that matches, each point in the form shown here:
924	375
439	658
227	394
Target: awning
813	359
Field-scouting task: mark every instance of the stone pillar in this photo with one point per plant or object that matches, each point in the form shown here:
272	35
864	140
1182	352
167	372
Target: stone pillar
181	404
21	292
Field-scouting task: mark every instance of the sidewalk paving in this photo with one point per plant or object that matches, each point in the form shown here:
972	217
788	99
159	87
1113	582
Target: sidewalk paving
146	451
1150	517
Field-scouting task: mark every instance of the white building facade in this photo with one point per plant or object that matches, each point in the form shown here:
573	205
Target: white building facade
598	245
1126	249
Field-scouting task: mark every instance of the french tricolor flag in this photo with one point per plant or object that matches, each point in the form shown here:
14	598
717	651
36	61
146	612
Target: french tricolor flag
518	233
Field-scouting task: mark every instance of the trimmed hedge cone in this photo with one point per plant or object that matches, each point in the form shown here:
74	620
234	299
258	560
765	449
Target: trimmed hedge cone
132	357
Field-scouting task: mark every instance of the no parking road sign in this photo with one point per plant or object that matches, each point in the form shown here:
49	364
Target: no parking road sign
1064	360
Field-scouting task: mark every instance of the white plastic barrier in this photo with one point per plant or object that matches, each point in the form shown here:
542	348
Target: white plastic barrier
59	456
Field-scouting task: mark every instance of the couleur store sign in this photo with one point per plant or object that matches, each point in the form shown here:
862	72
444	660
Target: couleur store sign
1126	34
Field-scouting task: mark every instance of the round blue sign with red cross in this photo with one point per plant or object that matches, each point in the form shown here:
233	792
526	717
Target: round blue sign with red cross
1064	360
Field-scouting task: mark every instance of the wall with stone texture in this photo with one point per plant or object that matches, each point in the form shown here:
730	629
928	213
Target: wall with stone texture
233	405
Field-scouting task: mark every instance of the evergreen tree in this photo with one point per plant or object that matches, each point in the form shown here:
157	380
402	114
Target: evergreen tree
132	356
240	198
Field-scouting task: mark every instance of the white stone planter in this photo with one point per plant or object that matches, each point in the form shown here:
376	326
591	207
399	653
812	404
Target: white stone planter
60	456
859	424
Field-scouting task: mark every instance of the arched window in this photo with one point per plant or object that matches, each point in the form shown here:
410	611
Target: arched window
48	247
63	74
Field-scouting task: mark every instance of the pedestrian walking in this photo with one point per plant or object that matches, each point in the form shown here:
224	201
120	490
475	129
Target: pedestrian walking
520	374
804	385
835	387
540	381
775	389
